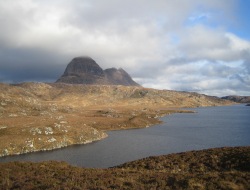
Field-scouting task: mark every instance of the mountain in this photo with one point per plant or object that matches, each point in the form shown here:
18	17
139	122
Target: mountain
84	70
238	99
119	77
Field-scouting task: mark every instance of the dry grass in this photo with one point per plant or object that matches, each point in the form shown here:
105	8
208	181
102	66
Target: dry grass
39	116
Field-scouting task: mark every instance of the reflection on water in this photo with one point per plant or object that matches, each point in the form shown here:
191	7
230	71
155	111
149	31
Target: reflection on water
210	127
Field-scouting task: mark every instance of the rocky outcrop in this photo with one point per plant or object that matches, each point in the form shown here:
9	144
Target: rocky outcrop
48	138
238	99
84	70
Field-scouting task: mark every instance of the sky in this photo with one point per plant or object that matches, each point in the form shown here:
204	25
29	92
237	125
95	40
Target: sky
185	45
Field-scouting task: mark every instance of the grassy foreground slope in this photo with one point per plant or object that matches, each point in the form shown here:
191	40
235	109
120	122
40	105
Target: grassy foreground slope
41	116
219	168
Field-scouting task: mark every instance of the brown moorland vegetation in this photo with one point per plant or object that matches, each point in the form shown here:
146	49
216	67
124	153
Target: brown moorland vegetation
41	116
219	168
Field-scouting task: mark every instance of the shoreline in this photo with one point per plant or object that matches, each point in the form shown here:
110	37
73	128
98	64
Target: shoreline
44	116
154	121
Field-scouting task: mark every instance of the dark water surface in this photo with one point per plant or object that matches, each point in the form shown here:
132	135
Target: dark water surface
209	127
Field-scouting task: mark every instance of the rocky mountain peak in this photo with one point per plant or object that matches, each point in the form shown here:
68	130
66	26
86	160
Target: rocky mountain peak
119	76
82	65
84	70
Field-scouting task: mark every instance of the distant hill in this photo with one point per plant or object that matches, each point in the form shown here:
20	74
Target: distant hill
238	99
84	70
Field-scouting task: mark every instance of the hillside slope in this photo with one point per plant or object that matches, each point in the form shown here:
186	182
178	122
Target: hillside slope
238	99
220	168
40	116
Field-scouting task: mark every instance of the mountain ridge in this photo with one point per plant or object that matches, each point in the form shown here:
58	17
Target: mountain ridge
238	99
84	70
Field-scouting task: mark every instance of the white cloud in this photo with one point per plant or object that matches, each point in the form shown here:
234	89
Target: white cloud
152	40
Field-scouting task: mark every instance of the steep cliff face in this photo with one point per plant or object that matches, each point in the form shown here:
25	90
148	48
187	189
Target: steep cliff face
84	70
